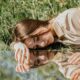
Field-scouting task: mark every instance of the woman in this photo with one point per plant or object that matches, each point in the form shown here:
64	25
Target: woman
64	28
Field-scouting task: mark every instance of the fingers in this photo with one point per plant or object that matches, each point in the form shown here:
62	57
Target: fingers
26	67
19	56
27	54
23	56
18	68
22	68
75	75
16	54
74	58
76	61
71	58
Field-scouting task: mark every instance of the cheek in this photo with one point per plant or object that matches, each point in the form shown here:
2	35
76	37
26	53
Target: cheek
51	38
48	38
29	43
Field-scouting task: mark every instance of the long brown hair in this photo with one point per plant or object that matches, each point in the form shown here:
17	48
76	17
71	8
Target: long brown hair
26	27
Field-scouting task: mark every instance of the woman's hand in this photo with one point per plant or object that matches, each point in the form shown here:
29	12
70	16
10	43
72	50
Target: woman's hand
22	57
76	75
74	59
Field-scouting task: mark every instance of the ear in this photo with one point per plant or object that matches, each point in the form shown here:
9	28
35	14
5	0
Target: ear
39	31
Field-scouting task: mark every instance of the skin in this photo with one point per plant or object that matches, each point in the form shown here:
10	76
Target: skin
76	75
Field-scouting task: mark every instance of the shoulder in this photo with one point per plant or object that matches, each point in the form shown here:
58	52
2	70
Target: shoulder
64	13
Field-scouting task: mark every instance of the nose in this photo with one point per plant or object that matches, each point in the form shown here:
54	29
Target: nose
41	43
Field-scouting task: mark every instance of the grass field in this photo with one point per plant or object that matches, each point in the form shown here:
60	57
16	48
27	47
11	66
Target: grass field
12	11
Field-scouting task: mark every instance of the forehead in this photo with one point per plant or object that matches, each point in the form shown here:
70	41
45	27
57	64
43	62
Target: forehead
40	30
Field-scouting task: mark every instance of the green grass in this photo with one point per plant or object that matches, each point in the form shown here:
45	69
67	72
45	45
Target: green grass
12	11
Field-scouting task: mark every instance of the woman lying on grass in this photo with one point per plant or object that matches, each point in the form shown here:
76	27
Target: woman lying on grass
33	34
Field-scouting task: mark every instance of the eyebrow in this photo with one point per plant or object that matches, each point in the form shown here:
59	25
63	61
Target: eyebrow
31	35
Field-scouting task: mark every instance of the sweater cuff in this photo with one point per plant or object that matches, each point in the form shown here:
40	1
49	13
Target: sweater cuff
57	28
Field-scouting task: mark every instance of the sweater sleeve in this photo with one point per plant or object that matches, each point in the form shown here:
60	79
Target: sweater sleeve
62	22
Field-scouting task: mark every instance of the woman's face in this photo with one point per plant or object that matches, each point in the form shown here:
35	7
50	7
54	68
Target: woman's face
44	38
